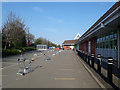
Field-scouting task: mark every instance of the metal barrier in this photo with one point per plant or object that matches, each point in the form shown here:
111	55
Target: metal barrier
92	60
99	63
109	73
87	57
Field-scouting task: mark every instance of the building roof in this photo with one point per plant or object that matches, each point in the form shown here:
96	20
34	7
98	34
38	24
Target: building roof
69	42
109	16
77	36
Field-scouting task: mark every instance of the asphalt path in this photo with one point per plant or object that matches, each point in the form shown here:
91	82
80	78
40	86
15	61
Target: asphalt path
63	70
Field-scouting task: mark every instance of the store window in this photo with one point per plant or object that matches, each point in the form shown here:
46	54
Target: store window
107	37
111	36
103	44
106	44
108	41
111	44
115	44
115	35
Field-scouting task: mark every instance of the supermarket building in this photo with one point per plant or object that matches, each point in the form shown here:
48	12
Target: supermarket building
103	37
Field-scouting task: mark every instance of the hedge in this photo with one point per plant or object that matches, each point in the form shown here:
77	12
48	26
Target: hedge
28	49
9	52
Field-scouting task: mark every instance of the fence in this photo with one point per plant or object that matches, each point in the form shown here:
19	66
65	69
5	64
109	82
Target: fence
104	66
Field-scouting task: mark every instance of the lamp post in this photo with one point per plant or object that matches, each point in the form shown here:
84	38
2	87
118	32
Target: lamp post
27	36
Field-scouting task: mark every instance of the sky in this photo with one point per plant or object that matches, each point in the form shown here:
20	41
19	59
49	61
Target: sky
57	21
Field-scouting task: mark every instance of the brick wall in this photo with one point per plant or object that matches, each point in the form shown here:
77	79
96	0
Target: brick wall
83	46
86	46
93	45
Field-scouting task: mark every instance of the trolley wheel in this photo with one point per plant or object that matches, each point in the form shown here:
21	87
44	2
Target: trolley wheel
23	74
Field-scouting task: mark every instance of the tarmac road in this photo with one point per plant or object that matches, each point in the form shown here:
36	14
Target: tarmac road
64	70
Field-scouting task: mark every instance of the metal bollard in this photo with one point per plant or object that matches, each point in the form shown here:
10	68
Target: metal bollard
78	52
109	72
85	57
82	55
99	63
89	59
92	59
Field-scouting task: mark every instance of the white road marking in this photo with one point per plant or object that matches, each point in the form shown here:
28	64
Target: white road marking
10	66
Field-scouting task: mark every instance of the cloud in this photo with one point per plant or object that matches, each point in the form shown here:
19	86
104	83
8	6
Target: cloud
37	9
55	19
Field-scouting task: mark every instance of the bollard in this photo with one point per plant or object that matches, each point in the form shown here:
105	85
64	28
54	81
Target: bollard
99	63
85	57
109	70
78	53
82	55
92	59
73	49
89	59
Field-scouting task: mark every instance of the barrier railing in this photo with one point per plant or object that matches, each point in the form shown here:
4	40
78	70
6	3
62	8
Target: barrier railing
91	59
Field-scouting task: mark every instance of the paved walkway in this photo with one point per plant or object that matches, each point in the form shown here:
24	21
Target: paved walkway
63	71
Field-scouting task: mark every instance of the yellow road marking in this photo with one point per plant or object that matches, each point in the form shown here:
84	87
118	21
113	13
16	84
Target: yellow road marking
64	78
33	58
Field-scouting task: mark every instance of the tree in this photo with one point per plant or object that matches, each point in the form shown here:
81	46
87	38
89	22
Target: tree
44	41
59	46
13	32
38	41
31	37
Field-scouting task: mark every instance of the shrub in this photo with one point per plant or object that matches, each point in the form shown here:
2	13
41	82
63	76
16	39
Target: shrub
8	52
28	48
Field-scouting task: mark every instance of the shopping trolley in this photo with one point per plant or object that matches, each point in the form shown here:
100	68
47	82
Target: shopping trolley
24	66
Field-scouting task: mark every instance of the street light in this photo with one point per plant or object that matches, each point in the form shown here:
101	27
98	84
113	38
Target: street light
102	25
27	37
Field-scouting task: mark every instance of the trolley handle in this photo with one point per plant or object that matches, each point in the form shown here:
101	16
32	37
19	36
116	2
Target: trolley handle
21	59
